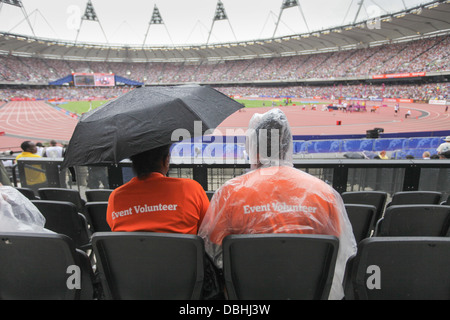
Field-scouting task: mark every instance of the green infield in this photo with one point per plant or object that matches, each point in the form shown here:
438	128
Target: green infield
80	107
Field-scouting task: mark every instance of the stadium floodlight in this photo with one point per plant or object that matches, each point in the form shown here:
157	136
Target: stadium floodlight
90	15
18	3
220	14
156	19
289	4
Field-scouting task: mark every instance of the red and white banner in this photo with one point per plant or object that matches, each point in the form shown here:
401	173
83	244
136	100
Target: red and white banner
399	75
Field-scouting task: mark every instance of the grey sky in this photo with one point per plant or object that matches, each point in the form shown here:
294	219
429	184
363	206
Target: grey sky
185	21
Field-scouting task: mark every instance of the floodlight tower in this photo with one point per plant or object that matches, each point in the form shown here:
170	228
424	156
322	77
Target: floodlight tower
156	19
289	4
220	14
18	3
90	15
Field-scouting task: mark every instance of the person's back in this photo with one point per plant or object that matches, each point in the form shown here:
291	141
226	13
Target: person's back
265	201
153	202
54	151
157	204
277	198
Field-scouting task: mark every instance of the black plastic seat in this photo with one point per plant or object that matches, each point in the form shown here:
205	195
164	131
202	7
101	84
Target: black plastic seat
373	198
146	265
362	218
63	217
43	266
96	215
400	268
279	266
415	197
415	220
97	195
62	194
28	192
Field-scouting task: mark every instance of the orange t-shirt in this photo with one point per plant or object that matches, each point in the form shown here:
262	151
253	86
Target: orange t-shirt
157	204
273	200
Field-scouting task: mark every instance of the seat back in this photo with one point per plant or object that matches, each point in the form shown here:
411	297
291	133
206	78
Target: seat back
415	220
374	198
402	268
62	194
41	266
279	266
97	195
27	192
415	197
362	219
146	265
63	217
96	215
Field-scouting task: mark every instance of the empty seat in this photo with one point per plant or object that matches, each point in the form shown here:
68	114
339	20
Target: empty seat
62	194
146	265
415	220
95	195
374	198
400	268
415	197
41	266
362	219
96	215
27	192
279	266
63	217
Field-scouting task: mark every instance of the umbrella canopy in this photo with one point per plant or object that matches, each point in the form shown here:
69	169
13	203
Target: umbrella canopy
146	118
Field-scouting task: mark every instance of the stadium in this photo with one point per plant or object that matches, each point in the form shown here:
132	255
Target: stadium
354	79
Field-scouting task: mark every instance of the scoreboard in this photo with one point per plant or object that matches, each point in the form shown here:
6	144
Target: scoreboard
94	79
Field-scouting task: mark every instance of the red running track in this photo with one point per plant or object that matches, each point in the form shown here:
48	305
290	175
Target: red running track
33	120
38	121
308	122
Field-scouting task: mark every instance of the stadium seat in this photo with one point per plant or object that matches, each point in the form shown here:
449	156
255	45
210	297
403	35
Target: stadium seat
146	265
414	220
28	192
400	268
62	194
94	195
415	197
63	217
324	146
37	266
96	216
358	145
279	266
374	198
362	219
300	146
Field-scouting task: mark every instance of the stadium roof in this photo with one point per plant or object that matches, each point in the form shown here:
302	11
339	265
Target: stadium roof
364	24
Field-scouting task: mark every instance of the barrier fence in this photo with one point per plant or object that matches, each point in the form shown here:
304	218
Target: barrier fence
342	174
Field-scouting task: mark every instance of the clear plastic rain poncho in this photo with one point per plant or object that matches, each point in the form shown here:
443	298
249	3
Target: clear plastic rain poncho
18	213
274	197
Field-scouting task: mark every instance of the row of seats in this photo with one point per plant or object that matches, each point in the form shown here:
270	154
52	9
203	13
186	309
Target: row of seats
374	222
144	265
408	146
370	145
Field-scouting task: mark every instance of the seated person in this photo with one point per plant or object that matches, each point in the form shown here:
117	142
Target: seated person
18	213
274	197
34	174
153	202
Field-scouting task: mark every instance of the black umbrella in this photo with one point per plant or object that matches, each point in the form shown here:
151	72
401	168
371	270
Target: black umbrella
145	118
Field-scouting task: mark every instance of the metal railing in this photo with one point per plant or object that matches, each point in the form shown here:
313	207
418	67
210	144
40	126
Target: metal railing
342	174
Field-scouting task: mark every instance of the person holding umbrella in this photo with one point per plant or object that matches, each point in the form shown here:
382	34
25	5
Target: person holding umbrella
153	202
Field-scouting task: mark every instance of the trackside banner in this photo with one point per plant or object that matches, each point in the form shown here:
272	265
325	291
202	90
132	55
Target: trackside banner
399	75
